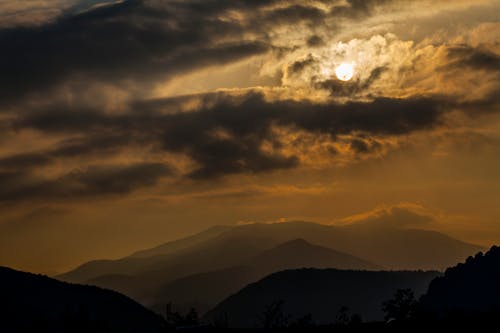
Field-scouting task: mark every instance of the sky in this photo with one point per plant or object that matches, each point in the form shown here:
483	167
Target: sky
125	124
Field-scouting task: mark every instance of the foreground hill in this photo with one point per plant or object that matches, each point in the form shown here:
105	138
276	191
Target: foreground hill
37	303
320	292
205	290
472	287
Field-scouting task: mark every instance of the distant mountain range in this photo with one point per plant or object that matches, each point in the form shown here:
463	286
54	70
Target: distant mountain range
204	290
465	296
319	292
242	254
36	303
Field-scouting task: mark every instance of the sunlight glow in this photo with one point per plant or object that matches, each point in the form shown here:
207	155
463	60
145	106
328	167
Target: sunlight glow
344	71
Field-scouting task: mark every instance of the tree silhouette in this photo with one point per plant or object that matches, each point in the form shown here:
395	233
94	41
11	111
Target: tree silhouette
345	318
273	316
176	319
305	321
401	307
221	321
342	318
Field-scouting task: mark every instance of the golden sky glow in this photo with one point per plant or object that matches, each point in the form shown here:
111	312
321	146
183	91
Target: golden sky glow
121	129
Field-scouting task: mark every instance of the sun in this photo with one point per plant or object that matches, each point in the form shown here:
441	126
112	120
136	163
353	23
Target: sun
344	71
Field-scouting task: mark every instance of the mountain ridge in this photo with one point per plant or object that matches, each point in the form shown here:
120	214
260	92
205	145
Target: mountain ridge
319	292
38	302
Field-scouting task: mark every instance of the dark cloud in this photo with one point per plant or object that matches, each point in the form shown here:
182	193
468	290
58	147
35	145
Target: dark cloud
146	41
314	41
352	87
477	58
91	182
358	8
299	65
295	14
23	161
226	134
132	40
359	146
364	145
151	40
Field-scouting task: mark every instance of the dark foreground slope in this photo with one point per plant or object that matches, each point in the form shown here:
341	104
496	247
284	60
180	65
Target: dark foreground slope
37	303
471	288
319	292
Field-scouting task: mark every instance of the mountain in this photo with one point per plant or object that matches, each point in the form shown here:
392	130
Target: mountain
143	274
390	247
183	243
141	260
299	253
472	287
205	290
38	303
212	255
202	291
319	292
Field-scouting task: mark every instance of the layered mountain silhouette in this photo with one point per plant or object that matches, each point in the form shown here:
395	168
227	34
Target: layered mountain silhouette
319	292
470	288
36	303
242	254
205	290
182	243
299	253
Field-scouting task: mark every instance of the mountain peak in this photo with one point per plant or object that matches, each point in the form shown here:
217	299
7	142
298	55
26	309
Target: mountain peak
298	242
299	252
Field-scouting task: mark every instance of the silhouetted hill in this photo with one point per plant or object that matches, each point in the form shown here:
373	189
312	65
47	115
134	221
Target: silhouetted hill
140	276
215	254
140	261
183	243
390	247
204	290
36	303
299	253
320	292
472	287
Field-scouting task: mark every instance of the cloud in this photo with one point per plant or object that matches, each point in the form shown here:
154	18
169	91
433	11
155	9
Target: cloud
140	40
94	181
358	8
399	216
136	45
31	13
476	58
151	41
227	133
23	161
